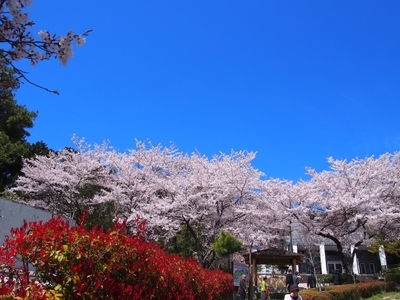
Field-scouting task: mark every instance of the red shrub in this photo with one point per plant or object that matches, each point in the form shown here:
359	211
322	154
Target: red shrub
74	263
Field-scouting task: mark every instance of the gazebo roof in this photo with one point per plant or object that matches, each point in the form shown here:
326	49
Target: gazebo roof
274	256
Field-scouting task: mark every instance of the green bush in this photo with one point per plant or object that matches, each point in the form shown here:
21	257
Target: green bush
349	291
393	275
328	278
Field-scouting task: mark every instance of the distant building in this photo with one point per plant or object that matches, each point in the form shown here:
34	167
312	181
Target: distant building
327	259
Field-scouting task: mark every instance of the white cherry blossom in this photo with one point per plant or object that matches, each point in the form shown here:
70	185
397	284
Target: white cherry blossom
19	43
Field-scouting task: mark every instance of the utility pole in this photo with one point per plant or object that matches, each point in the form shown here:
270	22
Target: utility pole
251	290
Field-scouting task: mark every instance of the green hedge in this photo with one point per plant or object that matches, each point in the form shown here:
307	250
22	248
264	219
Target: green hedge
328	278
393	275
349	291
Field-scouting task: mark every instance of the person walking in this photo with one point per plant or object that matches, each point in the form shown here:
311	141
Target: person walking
289	279
242	287
311	282
264	289
296	279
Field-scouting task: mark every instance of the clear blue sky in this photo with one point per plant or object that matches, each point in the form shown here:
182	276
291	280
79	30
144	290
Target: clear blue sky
296	81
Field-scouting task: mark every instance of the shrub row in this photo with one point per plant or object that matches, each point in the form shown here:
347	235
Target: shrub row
349	291
393	275
73	263
328	278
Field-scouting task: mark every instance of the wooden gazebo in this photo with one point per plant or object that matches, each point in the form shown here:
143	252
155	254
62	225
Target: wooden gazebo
273	256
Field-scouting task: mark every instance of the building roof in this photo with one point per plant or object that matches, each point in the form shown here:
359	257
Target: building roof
274	256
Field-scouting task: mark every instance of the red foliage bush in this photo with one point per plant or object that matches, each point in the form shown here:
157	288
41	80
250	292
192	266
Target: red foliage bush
73	263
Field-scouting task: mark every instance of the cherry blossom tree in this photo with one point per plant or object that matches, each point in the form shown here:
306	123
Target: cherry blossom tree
168	189
172	191
208	195
350	204
311	242
283	197
19	43
65	182
139	182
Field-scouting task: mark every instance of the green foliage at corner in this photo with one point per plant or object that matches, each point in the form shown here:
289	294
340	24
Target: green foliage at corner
393	275
15	119
392	247
226	244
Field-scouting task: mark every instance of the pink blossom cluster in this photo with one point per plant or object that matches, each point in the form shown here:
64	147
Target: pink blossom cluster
161	185
19	43
351	204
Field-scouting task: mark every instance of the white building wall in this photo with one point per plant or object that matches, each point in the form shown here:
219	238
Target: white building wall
382	257
323	259
355	262
295	250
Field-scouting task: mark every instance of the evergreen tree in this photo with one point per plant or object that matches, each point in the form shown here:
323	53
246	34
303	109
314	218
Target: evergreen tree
226	244
15	119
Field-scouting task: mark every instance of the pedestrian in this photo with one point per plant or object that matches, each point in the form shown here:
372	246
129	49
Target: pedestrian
264	288
243	288
294	293
311	282
337	278
296	279
289	279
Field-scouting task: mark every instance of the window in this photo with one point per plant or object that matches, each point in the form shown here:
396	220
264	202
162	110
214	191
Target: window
362	269
372	268
338	267
332	267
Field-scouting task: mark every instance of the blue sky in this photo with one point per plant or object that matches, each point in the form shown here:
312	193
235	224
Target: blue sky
296	81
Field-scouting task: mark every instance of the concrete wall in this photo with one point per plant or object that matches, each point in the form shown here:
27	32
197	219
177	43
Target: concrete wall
13	214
